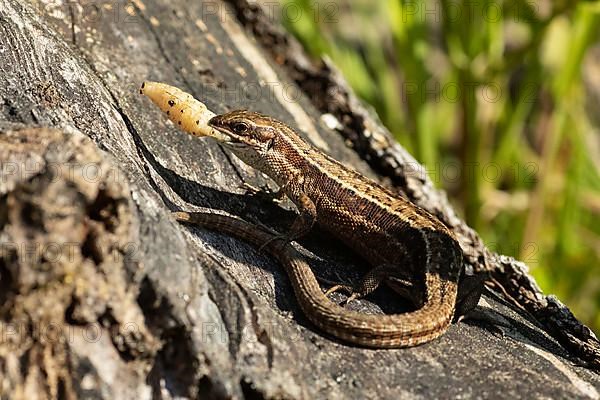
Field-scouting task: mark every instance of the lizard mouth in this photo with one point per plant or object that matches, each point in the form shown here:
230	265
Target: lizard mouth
216	123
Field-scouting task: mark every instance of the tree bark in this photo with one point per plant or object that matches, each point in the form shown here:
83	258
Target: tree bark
103	295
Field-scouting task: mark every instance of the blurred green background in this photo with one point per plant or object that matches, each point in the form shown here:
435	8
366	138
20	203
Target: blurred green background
501	102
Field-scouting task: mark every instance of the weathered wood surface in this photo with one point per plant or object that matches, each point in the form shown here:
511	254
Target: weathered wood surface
116	300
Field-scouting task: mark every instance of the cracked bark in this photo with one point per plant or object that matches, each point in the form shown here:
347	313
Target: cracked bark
212	318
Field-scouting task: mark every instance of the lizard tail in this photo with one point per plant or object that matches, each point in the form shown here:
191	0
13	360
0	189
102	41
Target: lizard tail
377	331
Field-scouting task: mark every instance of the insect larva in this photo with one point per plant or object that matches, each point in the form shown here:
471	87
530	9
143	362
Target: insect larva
182	108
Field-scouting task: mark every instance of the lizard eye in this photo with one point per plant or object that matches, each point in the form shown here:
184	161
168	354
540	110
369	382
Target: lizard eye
270	144
240	127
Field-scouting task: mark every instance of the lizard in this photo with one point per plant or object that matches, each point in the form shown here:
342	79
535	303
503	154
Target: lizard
407	247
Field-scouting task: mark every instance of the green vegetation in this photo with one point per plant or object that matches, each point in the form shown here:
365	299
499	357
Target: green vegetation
498	100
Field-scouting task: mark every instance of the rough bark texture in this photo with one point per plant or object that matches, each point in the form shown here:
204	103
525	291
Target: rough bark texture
102	295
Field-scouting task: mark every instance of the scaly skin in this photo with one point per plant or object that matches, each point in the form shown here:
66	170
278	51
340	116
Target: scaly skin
408	248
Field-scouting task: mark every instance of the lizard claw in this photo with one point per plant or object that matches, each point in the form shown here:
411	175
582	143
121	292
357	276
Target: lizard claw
349	290
252	190
339	288
264	190
353	296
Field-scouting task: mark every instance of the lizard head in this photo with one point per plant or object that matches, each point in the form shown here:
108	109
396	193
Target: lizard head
251	135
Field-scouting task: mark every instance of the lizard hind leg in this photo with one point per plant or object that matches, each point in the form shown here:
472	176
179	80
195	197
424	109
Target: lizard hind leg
372	280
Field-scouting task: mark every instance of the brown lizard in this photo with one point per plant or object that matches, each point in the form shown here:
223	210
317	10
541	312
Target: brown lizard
407	247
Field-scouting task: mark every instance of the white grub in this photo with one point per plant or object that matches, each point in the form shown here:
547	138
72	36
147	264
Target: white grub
189	114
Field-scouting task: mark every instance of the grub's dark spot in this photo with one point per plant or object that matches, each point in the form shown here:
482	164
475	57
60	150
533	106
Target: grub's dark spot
197	122
171	103
143	85
141	91
168	112
179	122
182	110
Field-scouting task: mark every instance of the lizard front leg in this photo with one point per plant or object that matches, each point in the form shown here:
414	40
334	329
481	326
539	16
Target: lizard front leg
264	191
306	218
293	188
303	222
